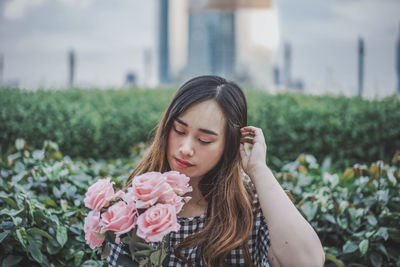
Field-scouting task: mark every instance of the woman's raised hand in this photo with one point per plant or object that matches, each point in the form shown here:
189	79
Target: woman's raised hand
257	156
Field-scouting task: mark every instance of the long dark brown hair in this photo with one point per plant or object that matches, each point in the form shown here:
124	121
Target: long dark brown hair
229	219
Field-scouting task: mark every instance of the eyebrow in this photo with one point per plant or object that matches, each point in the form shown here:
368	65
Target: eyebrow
201	130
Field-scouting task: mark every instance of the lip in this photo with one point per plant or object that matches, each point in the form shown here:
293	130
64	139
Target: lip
183	163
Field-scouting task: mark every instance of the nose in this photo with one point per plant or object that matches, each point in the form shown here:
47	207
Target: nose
186	147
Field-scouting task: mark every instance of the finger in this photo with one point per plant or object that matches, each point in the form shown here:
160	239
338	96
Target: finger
248	134
257	132
259	135
248	128
247	140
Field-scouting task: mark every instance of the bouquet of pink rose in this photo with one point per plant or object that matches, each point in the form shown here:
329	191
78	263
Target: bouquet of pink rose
140	217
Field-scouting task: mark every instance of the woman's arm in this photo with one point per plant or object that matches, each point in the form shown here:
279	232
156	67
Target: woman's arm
293	240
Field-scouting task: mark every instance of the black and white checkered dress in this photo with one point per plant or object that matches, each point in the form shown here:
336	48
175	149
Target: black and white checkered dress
259	243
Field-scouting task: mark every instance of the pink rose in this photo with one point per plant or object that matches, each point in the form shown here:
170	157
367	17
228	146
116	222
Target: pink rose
92	228
98	194
179	182
173	199
119	194
148	188
119	218
130	198
156	222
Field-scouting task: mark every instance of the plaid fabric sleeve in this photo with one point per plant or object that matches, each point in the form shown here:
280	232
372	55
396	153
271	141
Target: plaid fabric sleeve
260	241
119	257
263	241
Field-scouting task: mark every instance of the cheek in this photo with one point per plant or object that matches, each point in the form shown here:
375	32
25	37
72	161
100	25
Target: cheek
213	154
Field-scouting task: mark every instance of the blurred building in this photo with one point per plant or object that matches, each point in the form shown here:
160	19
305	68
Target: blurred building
232	38
164	42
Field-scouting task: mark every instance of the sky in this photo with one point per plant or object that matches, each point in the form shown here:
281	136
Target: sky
324	38
110	39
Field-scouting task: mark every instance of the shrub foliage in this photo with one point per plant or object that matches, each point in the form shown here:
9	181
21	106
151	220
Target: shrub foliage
105	124
41	205
356	212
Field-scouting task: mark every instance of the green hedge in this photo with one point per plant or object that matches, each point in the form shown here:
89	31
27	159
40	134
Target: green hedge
96	123
349	130
106	123
355	212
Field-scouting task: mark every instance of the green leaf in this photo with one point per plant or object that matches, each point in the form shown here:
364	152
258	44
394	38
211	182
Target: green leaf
40	232
343	206
54	219
92	263
38	154
342	222
142	253
53	247
13	157
376	259
371	220
309	209
105	251
382	232
349	247
142	245
57	193
391	178
49	202
370	233
11	260
383	195
78	258
329	218
70	253
157	257
22	237
71	191
143	261
332	179
64	204
18	177
8	200
34	249
11	213
3	235
31	208
19	144
363	247
61	235
355	214
332	258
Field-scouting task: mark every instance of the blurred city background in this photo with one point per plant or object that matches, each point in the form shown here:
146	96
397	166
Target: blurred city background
318	47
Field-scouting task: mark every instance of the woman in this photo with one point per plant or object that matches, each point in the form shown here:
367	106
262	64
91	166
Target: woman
239	215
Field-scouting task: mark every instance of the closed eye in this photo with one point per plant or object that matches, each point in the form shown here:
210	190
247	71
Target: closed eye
204	142
182	133
178	132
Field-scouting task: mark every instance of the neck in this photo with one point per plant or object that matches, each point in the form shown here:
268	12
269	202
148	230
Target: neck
197	197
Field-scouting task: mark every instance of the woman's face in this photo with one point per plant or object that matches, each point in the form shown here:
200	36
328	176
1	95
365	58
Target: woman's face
196	140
